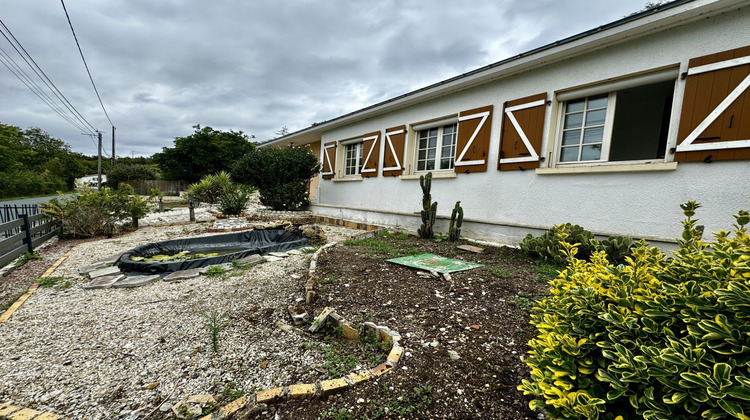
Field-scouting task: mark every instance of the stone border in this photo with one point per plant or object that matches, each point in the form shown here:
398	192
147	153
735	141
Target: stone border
14	412
8	313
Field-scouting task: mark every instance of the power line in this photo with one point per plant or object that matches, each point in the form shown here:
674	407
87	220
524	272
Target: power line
17	71
84	62
6	32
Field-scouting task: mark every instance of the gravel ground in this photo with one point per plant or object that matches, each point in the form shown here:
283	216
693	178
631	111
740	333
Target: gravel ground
112	353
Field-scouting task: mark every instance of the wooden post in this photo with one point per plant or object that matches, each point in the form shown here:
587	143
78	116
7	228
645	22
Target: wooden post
27	228
99	171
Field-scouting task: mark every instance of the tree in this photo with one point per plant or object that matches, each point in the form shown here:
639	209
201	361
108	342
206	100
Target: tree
129	172
206	151
280	174
33	162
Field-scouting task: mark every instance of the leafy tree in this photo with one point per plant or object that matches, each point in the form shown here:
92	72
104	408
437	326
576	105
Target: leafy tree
280	174
129	172
33	162
206	151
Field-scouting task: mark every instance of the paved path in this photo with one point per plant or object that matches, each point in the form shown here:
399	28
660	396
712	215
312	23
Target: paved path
35	200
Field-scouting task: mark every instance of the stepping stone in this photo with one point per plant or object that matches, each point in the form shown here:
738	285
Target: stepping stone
307	249
250	259
183	274
106	271
470	248
278	254
226	266
104	282
271	258
136	281
294	252
89	268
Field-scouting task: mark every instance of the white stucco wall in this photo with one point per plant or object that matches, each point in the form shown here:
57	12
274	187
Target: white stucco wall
642	204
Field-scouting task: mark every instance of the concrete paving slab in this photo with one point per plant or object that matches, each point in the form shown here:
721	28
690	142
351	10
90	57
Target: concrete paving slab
106	271
183	274
271	258
104	282
278	254
250	259
136	281
89	268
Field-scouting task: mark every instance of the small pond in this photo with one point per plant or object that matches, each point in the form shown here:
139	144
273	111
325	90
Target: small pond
215	249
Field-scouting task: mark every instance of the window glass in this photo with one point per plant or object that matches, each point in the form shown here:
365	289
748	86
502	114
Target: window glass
353	164
430	154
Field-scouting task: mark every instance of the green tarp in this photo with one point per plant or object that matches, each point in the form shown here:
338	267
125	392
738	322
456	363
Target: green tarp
430	262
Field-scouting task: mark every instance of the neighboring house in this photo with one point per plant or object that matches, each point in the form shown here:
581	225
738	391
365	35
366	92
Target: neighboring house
91	180
611	129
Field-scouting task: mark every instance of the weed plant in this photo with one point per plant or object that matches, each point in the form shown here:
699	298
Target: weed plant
26	257
215	323
389	403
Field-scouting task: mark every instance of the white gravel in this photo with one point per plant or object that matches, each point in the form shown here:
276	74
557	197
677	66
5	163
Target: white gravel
94	353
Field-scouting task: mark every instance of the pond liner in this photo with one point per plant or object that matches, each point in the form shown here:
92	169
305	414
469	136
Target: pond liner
249	242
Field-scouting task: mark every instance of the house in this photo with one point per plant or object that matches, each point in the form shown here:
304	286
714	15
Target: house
611	129
90	180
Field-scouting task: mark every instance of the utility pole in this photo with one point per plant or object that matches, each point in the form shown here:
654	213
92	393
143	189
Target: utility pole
113	145
99	171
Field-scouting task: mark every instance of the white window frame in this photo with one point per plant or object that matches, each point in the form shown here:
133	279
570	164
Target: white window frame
606	137
610	89
358	151
439	125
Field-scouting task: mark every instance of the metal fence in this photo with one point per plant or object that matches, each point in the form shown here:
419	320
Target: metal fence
11	212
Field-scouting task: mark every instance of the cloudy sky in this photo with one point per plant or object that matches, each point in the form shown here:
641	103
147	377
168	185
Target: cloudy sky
162	66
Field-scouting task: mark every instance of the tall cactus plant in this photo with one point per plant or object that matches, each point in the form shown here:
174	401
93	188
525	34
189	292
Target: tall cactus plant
457	219
429	209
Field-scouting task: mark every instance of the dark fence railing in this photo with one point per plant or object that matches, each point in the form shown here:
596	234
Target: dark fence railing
24	234
11	212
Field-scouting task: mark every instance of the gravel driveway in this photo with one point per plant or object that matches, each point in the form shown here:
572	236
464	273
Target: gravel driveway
113	353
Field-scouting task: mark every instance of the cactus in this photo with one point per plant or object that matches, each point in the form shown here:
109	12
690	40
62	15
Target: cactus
429	209
457	219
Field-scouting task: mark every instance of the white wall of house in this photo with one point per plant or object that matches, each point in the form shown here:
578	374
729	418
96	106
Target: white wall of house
504	206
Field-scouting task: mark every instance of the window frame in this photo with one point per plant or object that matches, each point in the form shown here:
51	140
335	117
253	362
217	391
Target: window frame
610	89
440	126
359	159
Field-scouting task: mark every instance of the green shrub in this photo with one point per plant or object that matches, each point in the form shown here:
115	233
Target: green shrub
235	199
656	338
280	174
211	187
549	245
93	213
129	172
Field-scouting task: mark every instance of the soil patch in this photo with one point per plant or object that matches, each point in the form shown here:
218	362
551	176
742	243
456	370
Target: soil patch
19	279
464	337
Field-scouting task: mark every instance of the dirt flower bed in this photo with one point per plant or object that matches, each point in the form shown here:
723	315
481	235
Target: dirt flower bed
465	339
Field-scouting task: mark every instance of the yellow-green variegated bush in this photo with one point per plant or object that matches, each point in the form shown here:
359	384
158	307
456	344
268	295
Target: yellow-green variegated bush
658	337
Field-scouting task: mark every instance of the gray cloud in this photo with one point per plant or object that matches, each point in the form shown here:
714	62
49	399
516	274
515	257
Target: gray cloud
163	66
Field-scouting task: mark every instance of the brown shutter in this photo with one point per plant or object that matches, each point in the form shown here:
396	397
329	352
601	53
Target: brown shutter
393	154
329	160
473	139
521	134
371	157
715	118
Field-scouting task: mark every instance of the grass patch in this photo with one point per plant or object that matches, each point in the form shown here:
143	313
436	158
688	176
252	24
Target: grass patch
342	356
389	403
499	271
55	281
523	301
215	271
379	246
399	236
26	257
547	270
227	392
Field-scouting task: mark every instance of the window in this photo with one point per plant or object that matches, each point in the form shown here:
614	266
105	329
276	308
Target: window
436	148
353	160
630	124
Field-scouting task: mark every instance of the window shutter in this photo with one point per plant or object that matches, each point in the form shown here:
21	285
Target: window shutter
371	153
473	139
393	154
713	123
329	160
521	133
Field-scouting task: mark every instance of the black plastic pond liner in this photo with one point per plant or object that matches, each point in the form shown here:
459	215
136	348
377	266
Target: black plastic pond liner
250	242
